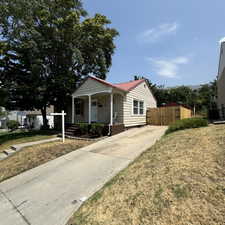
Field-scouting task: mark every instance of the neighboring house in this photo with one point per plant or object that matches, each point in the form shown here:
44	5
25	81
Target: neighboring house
28	119
34	119
3	119
221	82
99	101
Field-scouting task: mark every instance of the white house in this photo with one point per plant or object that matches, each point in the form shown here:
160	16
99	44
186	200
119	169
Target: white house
99	101
221	82
29	119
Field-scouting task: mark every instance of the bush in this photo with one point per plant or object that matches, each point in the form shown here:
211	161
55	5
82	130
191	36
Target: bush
97	129
12	124
83	128
186	124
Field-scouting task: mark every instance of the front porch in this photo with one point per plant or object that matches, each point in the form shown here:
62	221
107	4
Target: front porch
97	102
106	108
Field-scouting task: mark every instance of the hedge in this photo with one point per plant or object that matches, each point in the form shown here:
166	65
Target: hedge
187	124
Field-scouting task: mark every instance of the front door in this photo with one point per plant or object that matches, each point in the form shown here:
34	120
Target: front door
94	111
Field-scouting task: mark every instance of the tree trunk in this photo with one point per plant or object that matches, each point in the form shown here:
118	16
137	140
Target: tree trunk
44	116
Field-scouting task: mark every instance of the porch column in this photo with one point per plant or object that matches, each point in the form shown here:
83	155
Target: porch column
89	109
111	109
73	110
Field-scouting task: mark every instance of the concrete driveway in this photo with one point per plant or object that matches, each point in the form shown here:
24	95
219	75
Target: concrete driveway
49	194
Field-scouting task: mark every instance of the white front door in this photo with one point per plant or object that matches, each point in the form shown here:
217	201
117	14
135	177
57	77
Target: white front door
94	110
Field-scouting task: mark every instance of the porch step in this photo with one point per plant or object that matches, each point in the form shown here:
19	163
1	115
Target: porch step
69	133
72	129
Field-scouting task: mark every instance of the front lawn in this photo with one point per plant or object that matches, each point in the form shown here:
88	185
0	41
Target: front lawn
18	137
31	157
179	181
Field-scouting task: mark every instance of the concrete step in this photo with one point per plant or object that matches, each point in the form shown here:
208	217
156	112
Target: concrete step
69	133
3	156
219	122
9	151
71	130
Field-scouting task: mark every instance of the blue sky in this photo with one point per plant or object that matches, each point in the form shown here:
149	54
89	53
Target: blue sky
171	42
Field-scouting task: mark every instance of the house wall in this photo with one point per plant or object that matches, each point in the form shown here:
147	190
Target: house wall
36	121
221	94
142	93
221	82
91	86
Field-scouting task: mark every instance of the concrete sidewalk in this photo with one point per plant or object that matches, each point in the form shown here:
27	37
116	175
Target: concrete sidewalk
49	194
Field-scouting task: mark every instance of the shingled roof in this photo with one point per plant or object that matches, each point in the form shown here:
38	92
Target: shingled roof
127	86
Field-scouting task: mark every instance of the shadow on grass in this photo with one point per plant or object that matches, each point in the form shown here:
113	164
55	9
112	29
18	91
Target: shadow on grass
24	134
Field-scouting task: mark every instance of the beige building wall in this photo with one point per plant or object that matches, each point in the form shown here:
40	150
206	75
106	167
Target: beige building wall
221	82
141	93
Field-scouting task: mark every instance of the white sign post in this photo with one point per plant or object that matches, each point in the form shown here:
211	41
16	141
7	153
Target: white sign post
63	114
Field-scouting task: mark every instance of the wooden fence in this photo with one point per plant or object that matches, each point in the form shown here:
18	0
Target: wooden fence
167	115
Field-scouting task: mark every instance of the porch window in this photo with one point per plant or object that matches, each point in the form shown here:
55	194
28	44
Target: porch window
79	107
138	107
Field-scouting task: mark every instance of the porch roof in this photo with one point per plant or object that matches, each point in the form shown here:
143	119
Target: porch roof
121	87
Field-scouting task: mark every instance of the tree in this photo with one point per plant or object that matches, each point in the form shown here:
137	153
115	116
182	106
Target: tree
201	100
47	47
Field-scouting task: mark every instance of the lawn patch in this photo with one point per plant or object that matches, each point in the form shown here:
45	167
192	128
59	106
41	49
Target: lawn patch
180	180
31	157
8	139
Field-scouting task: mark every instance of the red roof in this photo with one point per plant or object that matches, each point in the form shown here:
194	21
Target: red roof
128	86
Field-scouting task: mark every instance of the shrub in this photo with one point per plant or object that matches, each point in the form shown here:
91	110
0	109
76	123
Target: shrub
12	124
83	128
97	129
186	124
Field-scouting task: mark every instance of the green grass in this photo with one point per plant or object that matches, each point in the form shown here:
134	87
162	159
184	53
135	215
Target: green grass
187	124
18	137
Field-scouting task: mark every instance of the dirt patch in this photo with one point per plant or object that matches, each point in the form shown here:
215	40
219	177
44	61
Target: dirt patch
179	181
31	157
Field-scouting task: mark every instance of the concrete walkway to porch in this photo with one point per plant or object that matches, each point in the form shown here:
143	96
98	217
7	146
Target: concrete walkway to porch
50	193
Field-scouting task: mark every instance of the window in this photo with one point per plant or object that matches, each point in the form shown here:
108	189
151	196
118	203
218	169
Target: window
135	107
141	108
79	106
138	107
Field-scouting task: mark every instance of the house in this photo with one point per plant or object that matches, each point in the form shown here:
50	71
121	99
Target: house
34	119
113	104
221	82
29	119
3	118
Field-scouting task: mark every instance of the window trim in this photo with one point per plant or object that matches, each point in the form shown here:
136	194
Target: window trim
139	101
143	108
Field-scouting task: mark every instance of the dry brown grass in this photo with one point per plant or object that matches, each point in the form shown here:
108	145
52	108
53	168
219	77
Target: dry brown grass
31	157
7	144
179	181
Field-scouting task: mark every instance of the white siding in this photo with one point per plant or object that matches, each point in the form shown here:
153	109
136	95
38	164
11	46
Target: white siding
222	60
91	86
221	81
142	93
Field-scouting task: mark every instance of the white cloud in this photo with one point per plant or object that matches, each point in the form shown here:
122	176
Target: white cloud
168	68
222	40
154	34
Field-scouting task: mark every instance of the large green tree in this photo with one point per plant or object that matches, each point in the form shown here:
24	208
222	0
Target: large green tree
47	48
201	100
